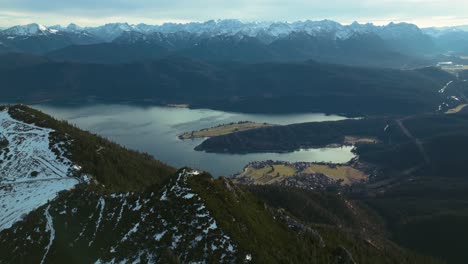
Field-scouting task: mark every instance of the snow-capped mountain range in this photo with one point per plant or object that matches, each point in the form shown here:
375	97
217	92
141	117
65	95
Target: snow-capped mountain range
392	45
111	31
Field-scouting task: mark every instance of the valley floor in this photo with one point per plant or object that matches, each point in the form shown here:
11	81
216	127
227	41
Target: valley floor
301	174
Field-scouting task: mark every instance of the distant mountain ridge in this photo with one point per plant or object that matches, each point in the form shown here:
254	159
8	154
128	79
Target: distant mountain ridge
232	40
396	45
38	39
225	27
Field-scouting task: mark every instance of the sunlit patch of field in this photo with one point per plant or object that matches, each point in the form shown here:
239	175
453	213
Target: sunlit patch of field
270	174
456	109
223	130
280	172
256	174
346	173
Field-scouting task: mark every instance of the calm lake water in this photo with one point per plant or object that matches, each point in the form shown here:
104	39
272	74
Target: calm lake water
155	129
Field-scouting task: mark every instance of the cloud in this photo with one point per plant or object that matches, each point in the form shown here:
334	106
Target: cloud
93	12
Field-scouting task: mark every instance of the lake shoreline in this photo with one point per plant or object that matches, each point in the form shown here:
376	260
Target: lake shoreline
154	130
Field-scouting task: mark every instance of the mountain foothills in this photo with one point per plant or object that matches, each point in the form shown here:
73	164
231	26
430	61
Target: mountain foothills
272	87
124	206
399	45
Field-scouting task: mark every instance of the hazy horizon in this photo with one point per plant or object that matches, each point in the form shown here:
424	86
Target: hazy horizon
424	13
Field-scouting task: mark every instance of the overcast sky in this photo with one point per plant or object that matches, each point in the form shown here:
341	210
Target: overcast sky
96	12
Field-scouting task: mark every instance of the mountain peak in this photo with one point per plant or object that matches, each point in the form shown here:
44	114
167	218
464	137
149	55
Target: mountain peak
111	31
73	27
28	30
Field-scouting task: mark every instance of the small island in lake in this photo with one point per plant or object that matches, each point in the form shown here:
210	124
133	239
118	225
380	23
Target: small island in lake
224	129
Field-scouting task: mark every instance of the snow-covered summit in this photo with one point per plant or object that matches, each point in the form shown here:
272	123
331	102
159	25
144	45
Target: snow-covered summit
110	31
28	30
73	27
70	28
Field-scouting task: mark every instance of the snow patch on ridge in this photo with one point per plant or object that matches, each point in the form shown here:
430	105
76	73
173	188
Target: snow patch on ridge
30	173
51	230
182	223
445	87
101	204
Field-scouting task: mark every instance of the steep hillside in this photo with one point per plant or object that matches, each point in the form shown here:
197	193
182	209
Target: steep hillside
298	46
41	156
30	172
109	53
265	230
426	214
112	165
165	227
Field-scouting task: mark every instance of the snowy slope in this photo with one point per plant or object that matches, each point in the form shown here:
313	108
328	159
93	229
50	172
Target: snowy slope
30	173
124	228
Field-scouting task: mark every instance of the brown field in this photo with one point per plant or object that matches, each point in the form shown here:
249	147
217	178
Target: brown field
346	173
456	109
271	174
223	130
